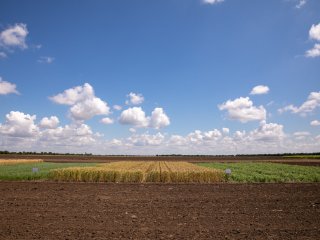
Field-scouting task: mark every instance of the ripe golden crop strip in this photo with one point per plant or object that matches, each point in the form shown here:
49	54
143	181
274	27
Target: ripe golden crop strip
141	171
19	161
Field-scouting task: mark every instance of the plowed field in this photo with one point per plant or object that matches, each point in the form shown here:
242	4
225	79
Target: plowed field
47	210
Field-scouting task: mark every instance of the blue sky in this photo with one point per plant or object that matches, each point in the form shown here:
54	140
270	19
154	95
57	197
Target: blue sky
191	67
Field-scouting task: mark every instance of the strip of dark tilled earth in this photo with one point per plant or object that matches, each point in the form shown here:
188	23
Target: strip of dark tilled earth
48	210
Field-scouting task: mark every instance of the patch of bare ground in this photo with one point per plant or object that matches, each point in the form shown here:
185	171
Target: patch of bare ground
48	210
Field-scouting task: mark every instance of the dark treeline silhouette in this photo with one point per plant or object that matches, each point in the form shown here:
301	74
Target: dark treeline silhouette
159	155
44	153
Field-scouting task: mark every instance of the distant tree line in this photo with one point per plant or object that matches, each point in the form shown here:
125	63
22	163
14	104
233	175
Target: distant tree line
44	153
159	155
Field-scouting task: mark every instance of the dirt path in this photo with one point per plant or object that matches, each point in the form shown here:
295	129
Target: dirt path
42	210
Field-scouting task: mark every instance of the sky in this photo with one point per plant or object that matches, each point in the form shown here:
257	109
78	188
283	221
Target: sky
160	77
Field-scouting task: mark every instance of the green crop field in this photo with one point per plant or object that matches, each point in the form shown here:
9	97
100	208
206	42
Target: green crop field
267	172
24	171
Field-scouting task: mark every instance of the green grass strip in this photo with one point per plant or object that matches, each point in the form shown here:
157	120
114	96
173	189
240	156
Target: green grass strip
24	171
268	172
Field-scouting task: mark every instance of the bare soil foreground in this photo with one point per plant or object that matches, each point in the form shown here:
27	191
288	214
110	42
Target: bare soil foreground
48	210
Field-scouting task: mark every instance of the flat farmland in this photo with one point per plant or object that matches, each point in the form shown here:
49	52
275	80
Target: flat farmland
194	159
48	210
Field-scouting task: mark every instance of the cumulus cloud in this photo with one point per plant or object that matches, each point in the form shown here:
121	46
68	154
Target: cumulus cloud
117	107
7	87
136	116
89	108
243	110
268	132
315	123
314	32
132	130
225	130
159	119
268	137
107	120
135	98
301	3
51	122
313	52
212	1
308	106
14	36
145	139
299	134
74	95
260	89
84	104
19	132
69	135
18	124
47	60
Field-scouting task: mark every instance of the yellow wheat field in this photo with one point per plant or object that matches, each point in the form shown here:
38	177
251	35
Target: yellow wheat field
129	171
18	161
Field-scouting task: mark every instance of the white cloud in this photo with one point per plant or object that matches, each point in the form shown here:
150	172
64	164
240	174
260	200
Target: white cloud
69	134
14	36
212	135
314	52
159	119
7	87
225	130
135	98
132	130
89	108
178	140
84	104
51	122
136	116
315	123
301	3
212	1
268	132
242	109
260	89
145	139
3	55
18	124
74	95
20	133
314	32
299	134
117	107
308	106
107	120
46	60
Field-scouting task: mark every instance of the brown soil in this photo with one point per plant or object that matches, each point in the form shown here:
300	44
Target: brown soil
47	210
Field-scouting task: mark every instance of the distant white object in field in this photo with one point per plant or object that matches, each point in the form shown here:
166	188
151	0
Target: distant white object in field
35	170
228	171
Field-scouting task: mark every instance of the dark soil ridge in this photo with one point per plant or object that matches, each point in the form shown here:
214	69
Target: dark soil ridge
48	210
